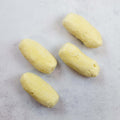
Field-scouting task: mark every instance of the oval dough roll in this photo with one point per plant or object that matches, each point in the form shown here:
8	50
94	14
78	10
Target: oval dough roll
74	58
39	89
82	30
38	56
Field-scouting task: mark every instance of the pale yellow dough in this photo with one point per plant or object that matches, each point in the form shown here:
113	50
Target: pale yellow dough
82	30
39	89
38	56
74	58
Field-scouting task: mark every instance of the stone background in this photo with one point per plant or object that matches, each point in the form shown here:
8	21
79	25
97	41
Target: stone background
80	98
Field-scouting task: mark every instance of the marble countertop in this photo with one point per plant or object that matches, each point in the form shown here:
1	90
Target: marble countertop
80	98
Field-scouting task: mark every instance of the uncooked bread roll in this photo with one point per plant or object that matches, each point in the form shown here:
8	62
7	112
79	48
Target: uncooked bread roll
82	30
38	56
39	89
74	58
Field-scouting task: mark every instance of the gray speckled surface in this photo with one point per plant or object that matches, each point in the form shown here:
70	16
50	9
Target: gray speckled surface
80	98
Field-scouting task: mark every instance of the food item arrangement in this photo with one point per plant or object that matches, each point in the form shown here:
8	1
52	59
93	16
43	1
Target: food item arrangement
71	55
